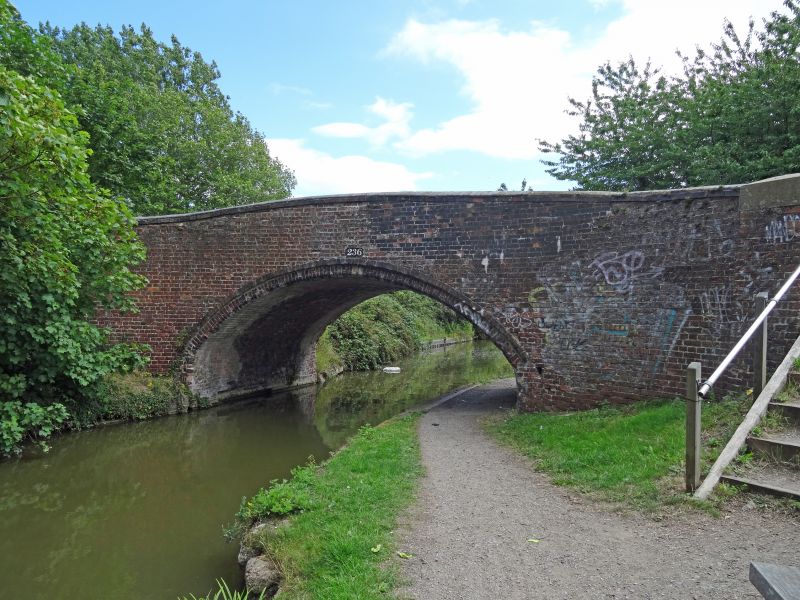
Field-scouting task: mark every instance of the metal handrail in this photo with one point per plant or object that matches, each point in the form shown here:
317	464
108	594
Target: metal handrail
706	387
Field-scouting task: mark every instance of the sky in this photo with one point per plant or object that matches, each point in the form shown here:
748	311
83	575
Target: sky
429	95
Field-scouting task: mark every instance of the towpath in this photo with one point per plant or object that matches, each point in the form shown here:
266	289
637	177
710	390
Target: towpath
481	506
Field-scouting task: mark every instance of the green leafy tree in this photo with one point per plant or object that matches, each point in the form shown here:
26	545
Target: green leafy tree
162	133
732	116
65	251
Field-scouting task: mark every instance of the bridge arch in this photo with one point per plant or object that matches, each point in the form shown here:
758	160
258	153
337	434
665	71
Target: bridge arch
264	335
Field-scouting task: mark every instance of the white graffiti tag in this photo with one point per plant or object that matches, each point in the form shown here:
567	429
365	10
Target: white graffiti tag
515	317
783	230
621	270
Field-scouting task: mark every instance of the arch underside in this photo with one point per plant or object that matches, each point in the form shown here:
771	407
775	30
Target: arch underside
264	337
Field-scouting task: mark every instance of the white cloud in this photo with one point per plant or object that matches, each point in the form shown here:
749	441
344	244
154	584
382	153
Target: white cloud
519	80
396	117
279	88
319	173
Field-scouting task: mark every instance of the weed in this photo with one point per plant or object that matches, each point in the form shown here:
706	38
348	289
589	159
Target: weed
224	593
744	457
772	421
280	498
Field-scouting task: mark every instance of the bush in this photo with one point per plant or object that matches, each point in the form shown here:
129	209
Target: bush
280	498
388	327
30	421
131	396
66	250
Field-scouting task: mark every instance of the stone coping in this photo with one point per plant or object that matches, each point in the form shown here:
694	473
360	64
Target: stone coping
695	193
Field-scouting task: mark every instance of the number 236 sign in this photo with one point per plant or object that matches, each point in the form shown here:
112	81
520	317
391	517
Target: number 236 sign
353	251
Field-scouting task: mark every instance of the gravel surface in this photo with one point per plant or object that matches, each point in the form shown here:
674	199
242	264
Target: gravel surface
481	508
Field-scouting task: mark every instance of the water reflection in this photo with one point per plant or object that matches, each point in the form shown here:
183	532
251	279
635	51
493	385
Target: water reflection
135	511
346	403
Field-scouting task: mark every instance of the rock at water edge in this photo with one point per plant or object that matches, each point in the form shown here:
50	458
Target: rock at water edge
260	574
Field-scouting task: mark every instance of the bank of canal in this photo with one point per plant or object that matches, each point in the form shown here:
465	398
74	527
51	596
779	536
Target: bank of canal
135	510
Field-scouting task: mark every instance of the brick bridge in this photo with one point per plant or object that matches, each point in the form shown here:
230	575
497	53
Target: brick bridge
591	296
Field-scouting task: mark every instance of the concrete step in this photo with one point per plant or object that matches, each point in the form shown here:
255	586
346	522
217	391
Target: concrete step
767	477
794	377
789	410
780	446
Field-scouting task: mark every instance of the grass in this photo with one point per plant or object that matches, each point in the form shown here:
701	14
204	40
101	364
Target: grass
338	543
223	592
632	454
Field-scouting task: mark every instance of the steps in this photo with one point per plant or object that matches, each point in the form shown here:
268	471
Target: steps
775	444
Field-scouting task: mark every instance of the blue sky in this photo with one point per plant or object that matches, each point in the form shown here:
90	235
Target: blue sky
371	96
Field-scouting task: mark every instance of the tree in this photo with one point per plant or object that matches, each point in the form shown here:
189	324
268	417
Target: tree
65	251
732	116
162	134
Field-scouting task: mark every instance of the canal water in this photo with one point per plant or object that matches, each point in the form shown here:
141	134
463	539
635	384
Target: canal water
136	510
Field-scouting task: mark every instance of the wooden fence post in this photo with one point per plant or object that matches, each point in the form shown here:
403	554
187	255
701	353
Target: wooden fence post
760	348
693	412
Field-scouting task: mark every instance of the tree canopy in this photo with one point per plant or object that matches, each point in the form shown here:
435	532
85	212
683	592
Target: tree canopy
732	116
66	249
162	134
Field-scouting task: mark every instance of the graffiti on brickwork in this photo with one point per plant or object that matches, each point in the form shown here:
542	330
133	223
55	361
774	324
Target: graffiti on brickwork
784	229
514	317
620	271
601	305
705	244
722	311
614	329
755	279
668	326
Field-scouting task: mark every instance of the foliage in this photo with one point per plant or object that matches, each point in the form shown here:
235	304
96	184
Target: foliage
224	593
523	188
30	421
388	327
280	498
163	134
132	396
65	251
338	546
632	454
24	51
328	360
732	116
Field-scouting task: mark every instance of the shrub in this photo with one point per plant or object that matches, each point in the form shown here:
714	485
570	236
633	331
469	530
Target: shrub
280	498
66	250
29	421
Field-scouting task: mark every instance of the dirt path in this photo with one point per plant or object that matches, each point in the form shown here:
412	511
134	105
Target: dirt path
480	504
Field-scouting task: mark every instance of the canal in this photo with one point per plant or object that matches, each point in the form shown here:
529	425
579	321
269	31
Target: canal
136	510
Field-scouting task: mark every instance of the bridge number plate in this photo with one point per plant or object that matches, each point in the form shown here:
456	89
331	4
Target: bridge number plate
353	251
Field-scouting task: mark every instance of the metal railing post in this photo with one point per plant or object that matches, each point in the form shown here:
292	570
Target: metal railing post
693	414
760	348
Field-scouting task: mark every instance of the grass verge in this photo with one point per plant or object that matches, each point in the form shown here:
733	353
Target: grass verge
632	454
337	544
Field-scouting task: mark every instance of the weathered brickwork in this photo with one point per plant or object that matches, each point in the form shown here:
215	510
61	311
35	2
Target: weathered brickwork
593	297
